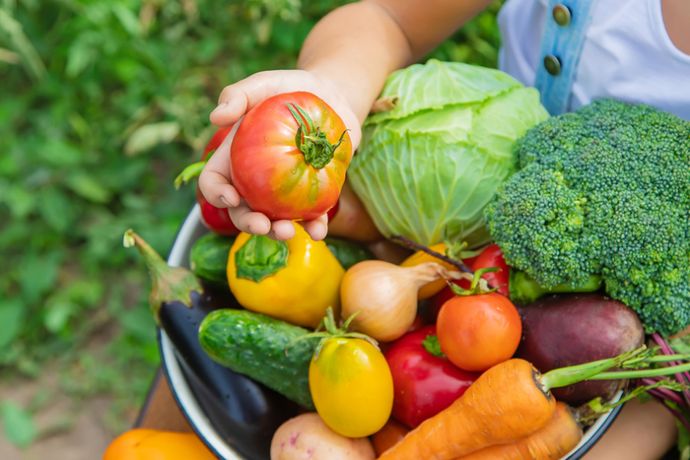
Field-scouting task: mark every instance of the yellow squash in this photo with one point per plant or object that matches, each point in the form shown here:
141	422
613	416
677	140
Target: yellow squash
294	280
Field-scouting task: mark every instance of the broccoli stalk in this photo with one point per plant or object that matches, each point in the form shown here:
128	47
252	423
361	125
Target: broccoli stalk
524	290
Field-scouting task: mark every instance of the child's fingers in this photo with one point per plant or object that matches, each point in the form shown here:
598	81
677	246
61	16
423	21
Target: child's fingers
282	230
317	228
236	99
249	221
214	180
217	190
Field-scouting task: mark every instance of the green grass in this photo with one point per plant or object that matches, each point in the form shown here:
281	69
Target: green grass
101	103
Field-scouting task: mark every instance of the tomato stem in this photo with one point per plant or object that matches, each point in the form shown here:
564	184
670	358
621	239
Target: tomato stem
311	141
478	286
331	329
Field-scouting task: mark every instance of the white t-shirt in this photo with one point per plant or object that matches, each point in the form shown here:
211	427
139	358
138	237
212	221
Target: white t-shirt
627	53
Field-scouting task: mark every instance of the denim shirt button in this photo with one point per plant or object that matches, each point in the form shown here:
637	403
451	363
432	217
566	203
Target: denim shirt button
552	64
561	14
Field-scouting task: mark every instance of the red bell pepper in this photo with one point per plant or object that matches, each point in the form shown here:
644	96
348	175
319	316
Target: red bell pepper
424	384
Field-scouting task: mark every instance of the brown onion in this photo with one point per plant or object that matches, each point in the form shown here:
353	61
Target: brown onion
384	295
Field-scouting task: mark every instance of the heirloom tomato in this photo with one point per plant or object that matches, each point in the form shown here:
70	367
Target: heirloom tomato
289	157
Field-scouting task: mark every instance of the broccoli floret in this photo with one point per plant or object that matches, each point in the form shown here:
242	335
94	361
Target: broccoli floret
604	191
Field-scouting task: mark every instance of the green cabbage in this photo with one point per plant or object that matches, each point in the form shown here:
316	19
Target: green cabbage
427	168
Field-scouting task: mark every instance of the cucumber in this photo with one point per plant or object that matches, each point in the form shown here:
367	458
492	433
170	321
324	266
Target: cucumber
208	258
347	252
255	345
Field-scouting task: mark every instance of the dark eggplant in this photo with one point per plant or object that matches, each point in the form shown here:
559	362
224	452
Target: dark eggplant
243	411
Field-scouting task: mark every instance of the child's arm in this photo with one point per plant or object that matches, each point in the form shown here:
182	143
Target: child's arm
345	61
642	431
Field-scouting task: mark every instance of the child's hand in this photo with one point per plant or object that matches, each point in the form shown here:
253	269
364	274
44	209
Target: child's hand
235	100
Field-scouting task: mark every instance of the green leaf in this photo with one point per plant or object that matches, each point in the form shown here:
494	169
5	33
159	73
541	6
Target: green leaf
12	313
56	209
127	19
58	312
82	53
148	136
20	201
14	30
59	153
87	187
19	426
38	274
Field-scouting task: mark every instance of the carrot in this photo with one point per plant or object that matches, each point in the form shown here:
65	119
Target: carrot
503	405
511	401
388	436
551	442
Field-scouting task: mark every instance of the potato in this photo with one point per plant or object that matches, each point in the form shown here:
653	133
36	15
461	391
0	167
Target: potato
566	329
306	437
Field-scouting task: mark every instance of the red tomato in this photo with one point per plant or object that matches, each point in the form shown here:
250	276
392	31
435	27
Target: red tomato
492	256
289	157
215	141
333	211
479	331
215	219
423	384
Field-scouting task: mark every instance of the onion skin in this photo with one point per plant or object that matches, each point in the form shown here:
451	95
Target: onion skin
384	296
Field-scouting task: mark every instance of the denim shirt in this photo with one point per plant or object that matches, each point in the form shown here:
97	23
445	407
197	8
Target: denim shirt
561	46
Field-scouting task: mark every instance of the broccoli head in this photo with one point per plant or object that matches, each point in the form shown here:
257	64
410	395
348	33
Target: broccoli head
604	191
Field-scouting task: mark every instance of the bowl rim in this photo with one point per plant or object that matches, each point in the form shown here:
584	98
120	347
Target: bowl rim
186	401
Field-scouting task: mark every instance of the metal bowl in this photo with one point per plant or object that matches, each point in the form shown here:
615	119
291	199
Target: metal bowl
182	385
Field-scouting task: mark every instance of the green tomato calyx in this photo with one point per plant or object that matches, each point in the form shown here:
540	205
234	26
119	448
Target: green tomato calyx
311	141
479	285
332	331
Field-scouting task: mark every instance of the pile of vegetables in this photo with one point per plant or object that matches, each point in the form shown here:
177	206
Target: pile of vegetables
452	351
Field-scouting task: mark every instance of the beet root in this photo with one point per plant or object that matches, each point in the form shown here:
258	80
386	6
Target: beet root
566	329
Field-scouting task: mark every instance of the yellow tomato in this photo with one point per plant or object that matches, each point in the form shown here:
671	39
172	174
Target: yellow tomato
143	444
421	257
352	386
294	280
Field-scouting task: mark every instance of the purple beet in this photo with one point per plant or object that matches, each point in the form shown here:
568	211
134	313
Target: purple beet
566	329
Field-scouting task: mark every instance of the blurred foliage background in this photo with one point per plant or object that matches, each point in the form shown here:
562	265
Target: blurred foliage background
101	103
